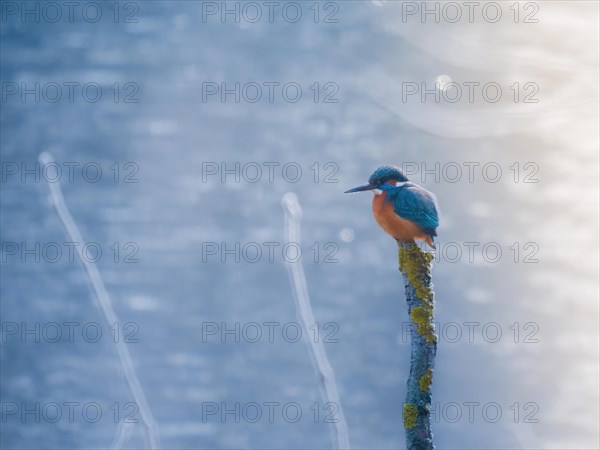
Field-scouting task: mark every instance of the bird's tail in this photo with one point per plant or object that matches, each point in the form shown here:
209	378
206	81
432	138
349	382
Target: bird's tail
429	241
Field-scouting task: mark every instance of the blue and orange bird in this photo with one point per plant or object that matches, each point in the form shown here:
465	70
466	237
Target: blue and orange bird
405	210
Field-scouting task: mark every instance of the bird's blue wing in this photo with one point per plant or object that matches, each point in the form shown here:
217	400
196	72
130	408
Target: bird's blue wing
412	202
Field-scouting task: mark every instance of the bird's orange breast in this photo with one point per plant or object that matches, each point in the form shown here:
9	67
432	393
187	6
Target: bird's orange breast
394	225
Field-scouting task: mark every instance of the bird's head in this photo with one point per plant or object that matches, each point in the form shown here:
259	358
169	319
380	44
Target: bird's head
383	177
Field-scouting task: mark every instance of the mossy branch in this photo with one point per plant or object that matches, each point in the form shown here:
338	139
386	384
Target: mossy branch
415	265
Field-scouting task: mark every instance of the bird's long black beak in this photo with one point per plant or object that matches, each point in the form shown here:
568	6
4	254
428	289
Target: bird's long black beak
364	187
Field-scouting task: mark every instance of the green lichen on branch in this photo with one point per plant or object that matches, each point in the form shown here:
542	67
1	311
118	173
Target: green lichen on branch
422	317
410	416
425	381
415	266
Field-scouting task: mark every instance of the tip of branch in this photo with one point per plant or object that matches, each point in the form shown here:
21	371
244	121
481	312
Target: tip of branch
290	204
45	158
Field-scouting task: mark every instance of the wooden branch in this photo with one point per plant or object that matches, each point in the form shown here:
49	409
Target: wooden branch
415	265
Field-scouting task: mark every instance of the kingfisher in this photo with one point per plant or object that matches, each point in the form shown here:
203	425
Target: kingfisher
405	210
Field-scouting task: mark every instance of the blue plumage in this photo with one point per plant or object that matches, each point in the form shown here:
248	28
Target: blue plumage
414	203
402	200
386	173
